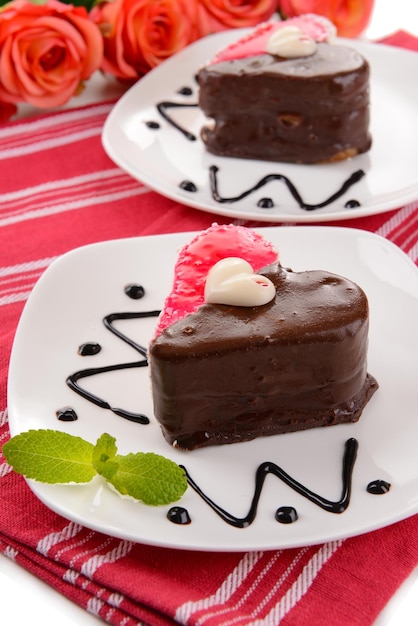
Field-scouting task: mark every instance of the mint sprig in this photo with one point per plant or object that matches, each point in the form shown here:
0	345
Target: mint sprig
55	457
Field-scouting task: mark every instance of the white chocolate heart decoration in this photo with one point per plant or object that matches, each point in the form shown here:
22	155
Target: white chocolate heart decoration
232	281
290	42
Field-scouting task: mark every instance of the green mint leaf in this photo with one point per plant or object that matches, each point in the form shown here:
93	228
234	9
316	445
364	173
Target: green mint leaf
149	477
104	455
50	456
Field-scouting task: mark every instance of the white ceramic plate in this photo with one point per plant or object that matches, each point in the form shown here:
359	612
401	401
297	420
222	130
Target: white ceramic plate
163	158
66	309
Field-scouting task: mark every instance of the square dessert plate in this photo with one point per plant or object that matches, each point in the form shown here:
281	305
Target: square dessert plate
144	143
66	310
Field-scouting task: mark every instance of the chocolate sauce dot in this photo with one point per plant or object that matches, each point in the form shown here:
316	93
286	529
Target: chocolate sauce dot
286	515
89	349
185	91
352	204
136	292
187	185
67	414
179	515
265	203
378	487
153	125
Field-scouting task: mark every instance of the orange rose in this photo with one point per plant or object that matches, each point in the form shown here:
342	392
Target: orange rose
46	51
225	14
140	34
349	16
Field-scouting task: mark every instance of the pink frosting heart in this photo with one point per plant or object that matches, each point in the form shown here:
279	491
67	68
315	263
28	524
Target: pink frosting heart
317	27
196	259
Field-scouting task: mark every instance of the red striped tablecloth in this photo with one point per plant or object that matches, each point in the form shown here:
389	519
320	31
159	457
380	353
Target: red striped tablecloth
59	191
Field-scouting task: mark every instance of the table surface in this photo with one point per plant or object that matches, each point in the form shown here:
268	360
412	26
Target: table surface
43	605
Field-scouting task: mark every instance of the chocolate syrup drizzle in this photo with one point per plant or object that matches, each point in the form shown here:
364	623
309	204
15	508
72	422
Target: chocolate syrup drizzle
73	380
350	454
162	108
213	170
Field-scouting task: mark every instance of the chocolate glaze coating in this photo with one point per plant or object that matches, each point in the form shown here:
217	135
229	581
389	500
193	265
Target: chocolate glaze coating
304	110
227	374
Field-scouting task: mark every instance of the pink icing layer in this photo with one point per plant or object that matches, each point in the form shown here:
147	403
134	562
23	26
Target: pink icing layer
315	26
196	259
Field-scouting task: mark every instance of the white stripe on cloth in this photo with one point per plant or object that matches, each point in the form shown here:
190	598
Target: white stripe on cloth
11	553
272	591
5	468
238	576
7	284
66	117
127	619
300	587
413	253
4	417
29	266
77	544
68	532
95	605
122	549
15	290
56	186
22	296
115	599
40	197
400	216
132	189
17	281
92	564
51	132
247	594
231	583
47	144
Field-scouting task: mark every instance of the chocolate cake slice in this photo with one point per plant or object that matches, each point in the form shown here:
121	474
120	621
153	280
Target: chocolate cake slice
225	374
287	101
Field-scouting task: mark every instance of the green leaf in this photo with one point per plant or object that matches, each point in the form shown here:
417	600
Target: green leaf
51	456
149	477
104	455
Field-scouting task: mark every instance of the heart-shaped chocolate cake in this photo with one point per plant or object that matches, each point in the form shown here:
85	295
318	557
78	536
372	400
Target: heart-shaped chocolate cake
286	92
224	373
